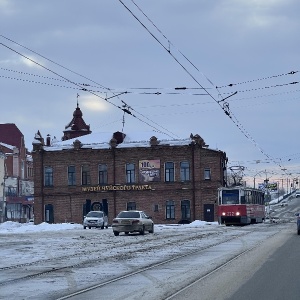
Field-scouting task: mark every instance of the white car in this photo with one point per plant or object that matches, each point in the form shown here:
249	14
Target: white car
96	219
132	221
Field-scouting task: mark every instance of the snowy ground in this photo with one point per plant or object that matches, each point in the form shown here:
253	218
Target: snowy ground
47	261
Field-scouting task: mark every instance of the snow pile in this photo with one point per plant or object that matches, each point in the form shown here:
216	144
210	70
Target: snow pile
15	227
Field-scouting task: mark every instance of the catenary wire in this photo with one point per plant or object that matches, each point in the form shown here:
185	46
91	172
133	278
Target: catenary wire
224	108
78	85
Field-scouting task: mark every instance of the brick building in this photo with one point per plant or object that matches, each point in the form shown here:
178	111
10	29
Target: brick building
17	179
173	181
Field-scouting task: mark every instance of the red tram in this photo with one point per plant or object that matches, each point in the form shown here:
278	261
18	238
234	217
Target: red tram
240	205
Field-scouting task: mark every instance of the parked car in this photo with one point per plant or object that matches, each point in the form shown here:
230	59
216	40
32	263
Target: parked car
284	203
96	219
298	223
132	221
297	193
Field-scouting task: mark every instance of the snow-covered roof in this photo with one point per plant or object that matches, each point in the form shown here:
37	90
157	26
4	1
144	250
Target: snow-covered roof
7	146
101	140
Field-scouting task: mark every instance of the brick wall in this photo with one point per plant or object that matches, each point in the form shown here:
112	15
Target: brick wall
68	201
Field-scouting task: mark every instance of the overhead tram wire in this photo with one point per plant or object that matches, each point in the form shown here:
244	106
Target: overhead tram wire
87	87
170	43
224	108
115	90
266	87
79	85
182	66
147	118
69	70
259	79
94	91
131	90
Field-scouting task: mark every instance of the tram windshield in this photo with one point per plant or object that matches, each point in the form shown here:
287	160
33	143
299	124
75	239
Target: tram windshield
230	197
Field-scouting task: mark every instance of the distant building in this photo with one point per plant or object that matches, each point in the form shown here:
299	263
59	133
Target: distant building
2	182
18	175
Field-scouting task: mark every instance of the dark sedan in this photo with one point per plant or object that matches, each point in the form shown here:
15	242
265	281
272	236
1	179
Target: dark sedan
298	223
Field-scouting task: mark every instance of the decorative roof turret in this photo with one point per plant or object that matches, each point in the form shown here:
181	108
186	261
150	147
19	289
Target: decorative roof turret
77	127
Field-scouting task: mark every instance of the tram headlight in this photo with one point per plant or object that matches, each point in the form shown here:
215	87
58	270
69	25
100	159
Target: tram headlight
223	213
237	213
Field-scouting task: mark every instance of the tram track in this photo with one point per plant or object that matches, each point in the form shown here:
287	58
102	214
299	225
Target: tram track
162	263
138	243
122	252
105	254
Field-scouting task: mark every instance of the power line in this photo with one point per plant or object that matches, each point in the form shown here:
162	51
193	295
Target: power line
224	106
259	79
82	87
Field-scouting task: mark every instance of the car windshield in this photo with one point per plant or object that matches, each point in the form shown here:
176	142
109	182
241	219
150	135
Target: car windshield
95	214
129	214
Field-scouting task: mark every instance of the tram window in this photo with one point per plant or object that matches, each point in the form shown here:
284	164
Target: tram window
243	200
230	197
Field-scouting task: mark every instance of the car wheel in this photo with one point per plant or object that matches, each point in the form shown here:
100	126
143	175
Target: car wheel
142	232
298	231
152	229
116	233
106	226
90	227
84	227
126	232
102	227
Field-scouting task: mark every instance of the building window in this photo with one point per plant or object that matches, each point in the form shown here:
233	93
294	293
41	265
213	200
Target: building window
207	174
184	171
130	173
85	175
169	172
10	191
185	210
29	171
102	170
131	206
155	207
48	176
71	175
170	210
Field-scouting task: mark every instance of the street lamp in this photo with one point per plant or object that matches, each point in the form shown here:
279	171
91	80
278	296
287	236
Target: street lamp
255	176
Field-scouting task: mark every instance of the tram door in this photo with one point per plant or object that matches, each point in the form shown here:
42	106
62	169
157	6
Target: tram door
209	212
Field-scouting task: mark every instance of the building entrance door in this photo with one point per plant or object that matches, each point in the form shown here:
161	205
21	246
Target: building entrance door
49	213
209	212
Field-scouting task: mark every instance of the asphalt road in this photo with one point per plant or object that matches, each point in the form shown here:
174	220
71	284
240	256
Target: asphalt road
278	277
270	271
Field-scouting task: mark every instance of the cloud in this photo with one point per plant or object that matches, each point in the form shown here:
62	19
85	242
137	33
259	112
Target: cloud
93	103
254	14
23	61
31	62
6	7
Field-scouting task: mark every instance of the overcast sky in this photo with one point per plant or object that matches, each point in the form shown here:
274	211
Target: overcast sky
105	46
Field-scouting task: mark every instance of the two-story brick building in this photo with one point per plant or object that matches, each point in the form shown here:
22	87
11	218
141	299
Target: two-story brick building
174	181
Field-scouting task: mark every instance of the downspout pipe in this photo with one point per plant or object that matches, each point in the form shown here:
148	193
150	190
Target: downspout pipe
42	185
114	174
193	183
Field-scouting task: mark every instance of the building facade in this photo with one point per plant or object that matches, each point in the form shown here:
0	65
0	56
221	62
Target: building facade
18	175
173	181
2	186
